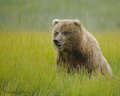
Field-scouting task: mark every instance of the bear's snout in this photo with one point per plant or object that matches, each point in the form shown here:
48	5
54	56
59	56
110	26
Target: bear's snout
59	44
55	41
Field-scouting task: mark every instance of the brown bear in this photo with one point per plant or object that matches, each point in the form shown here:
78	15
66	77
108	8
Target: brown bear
77	48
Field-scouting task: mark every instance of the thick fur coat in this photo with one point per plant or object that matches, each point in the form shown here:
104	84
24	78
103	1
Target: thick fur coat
76	48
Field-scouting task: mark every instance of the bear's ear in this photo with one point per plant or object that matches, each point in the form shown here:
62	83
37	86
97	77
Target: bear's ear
77	23
55	21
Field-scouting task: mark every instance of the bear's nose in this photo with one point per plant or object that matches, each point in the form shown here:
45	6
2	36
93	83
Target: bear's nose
55	41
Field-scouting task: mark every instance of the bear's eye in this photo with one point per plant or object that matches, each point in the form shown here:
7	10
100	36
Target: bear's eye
65	33
56	33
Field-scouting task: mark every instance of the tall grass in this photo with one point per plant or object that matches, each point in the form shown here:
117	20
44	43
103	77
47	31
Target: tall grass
27	67
36	14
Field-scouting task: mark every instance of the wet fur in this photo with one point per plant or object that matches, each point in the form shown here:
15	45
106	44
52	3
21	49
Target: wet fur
82	49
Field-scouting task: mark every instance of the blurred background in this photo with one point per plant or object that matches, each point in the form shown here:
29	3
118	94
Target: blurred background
38	14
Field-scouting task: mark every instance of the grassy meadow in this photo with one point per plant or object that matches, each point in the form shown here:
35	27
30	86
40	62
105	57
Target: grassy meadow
38	14
27	67
27	58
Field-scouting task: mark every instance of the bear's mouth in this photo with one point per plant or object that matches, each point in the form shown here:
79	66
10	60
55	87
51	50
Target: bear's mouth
61	47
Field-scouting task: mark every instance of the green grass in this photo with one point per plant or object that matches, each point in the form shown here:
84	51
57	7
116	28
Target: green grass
38	14
27	67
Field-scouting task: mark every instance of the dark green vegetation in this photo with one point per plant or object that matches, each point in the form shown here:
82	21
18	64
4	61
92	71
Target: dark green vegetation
38	14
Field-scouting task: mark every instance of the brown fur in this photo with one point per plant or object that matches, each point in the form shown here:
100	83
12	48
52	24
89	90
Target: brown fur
79	48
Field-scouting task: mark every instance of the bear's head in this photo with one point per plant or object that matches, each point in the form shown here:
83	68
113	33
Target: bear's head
66	34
